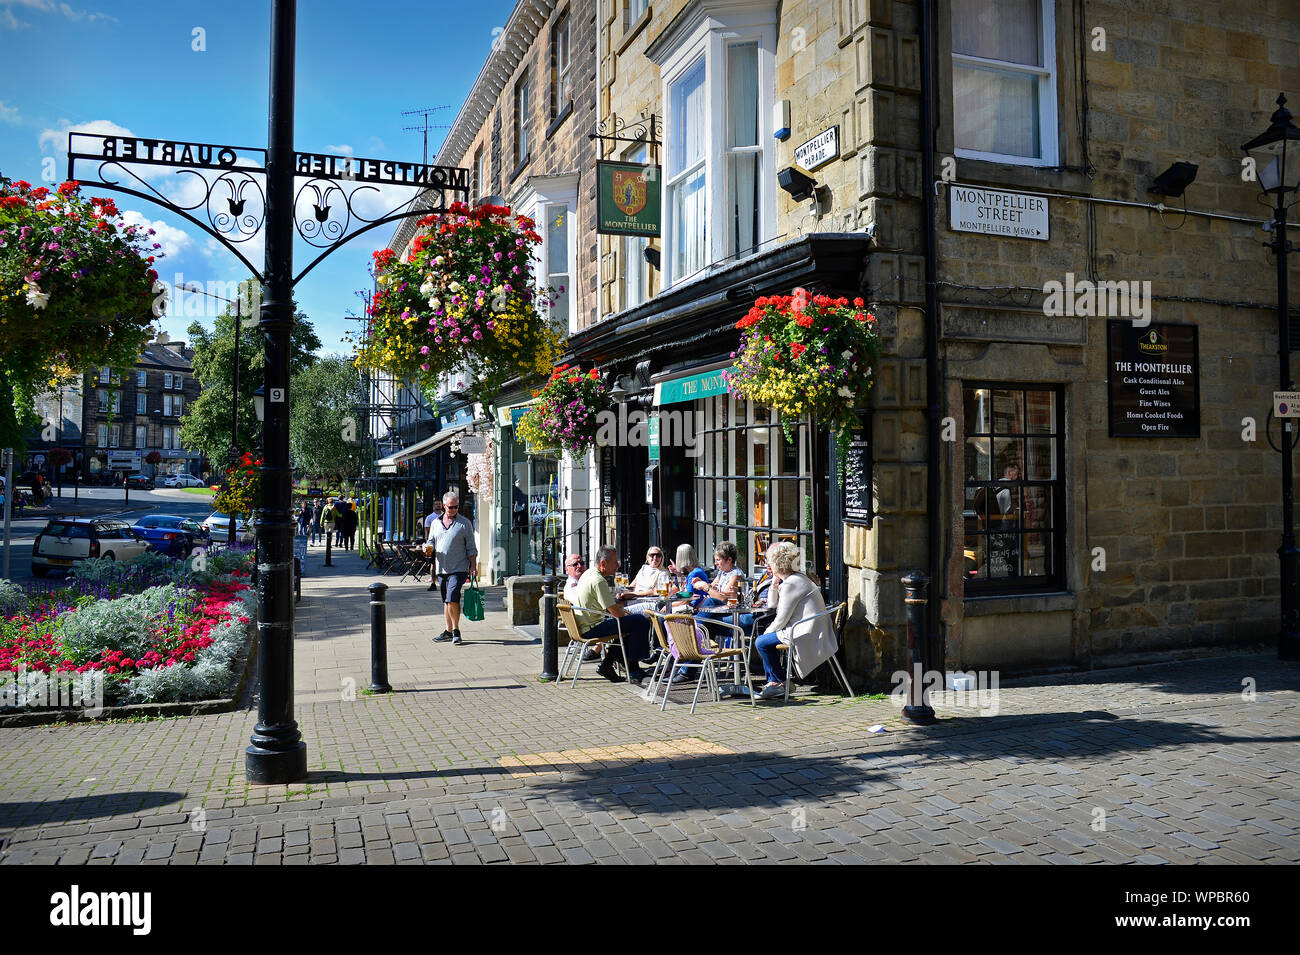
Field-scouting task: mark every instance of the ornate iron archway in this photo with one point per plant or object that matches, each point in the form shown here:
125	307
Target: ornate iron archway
235	194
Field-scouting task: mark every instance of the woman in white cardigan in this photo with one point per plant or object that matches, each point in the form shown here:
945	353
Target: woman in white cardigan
813	641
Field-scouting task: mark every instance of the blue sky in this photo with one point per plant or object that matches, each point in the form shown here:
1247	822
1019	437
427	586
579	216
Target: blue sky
113	66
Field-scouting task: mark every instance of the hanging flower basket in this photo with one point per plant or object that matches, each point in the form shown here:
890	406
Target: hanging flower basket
76	284
480	469
241	492
566	412
808	355
463	300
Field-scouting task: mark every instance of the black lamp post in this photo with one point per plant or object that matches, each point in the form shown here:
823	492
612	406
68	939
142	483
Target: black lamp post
276	753
1276	153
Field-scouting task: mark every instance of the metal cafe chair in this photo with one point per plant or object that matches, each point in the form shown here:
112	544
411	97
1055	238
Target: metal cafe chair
680	629
578	643
417	562
835	612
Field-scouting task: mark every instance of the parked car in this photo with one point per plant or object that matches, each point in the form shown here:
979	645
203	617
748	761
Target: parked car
172	535
66	541
183	480
218	526
140	482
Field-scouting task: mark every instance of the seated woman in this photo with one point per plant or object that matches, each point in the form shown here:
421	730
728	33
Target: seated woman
687	565
724	586
813	641
649	582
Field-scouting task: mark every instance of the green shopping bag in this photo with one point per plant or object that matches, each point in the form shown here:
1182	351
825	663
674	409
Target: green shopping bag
472	602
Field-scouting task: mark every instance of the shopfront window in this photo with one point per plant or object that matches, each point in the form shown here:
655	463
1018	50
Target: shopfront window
753	486
1014	488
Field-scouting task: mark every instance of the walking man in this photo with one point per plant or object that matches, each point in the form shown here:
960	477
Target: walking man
317	512
456	554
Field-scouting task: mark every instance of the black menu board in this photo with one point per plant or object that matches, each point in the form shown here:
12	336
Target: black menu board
1153	375
859	507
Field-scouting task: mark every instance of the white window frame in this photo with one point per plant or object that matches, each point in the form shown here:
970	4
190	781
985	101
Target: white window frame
480	170
524	116
101	435
115	436
541	194
141	399
141	379
708	28
634	247
115	402
141	436
1049	131
178	405
167	406
562	86
635	10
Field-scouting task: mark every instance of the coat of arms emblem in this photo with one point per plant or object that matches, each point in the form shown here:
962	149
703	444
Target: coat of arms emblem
629	191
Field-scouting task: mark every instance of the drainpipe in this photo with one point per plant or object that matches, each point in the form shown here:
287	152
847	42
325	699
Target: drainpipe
933	651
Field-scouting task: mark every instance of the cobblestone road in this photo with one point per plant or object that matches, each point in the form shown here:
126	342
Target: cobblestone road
471	760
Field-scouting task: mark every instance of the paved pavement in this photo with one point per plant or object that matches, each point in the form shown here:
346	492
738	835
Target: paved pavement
471	760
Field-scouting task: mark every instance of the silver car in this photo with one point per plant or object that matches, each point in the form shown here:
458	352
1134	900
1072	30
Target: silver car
218	527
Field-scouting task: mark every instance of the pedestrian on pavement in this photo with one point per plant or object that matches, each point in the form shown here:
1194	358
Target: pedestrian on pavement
812	641
456	556
349	524
329	520
594	594
304	517
317	512
433	515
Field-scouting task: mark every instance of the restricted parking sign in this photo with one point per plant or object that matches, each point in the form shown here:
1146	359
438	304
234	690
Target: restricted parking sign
1286	404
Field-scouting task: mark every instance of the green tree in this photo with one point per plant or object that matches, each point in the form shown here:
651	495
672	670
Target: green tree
324	424
206	424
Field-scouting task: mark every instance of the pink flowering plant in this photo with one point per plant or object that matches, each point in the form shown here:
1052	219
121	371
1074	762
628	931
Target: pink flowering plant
464	298
566	411
76	283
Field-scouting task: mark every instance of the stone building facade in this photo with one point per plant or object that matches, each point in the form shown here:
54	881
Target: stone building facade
1121	546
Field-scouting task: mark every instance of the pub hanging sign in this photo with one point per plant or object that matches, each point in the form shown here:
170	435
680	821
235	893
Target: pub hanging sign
627	199
1153	377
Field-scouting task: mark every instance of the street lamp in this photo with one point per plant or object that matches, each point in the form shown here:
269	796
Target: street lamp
259	403
1276	156
234	398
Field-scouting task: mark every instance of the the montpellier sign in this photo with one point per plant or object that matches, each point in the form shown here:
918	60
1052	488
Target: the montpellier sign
627	199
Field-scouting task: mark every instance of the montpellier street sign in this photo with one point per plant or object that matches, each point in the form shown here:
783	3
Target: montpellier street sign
235	194
819	150
994	212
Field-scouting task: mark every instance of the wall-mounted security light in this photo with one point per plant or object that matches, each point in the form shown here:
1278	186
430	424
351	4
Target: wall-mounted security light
1174	180
797	181
781	119
652	256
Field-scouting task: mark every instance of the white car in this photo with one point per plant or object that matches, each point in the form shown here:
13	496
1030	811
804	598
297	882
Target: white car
183	480
66	541
218	527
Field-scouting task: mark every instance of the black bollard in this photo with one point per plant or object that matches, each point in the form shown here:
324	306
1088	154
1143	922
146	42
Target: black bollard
329	536
378	639
550	631
918	709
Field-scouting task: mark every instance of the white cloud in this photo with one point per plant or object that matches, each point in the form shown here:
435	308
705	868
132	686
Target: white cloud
11	22
8	114
49	6
342	149
172	240
56	139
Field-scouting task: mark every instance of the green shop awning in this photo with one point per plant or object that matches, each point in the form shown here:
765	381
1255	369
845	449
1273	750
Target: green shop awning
691	387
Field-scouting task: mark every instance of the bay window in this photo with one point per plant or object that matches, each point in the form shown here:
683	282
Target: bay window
718	67
551	202
1004	81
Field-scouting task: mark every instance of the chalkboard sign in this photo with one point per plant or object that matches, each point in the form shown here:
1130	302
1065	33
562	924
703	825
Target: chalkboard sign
1153	374
607	477
859	505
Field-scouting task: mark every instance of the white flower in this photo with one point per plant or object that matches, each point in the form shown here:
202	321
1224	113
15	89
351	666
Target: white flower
37	298
427	288
455	286
846	354
435	302
845	391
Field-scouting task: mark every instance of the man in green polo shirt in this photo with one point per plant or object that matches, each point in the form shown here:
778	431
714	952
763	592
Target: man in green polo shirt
594	593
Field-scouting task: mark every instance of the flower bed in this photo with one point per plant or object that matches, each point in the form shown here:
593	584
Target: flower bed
153	629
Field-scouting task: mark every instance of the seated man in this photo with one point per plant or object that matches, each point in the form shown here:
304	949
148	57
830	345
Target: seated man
594	594
573	567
